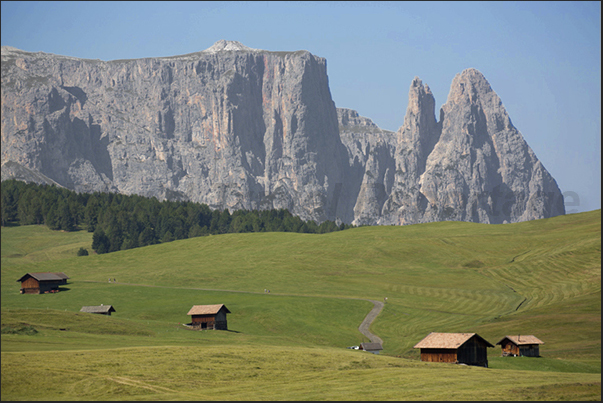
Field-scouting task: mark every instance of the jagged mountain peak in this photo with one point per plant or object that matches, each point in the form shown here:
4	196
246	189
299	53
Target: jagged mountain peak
420	99
229	46
471	74
470	82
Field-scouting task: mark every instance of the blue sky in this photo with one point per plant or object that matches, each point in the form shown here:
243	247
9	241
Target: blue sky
542	58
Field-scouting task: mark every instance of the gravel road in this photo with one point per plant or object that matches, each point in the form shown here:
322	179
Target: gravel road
364	326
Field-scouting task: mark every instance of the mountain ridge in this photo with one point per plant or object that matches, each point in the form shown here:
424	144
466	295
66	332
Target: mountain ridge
235	127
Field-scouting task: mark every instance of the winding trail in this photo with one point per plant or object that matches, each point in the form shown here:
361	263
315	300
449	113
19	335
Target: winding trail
363	328
366	323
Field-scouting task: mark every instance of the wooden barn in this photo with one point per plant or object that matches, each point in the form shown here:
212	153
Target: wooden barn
209	316
63	276
371	347
459	348
40	283
520	345
100	309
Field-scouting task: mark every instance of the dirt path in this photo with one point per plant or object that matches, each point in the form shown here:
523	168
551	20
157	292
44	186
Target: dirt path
366	323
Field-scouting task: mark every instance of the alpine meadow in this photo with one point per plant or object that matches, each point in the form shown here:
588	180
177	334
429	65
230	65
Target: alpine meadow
539	277
300	201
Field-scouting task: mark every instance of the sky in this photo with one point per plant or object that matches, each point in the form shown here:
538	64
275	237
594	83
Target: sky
543	59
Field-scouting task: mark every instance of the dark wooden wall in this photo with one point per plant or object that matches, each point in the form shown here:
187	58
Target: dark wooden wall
30	286
49	285
210	321
530	350
438	355
510	348
473	352
198	319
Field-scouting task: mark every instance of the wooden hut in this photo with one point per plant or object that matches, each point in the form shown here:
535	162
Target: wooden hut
520	345
459	348
40	283
63	276
100	309
371	347
209	316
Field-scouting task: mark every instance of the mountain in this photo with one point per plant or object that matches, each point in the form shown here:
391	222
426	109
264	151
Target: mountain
371	162
471	165
242	128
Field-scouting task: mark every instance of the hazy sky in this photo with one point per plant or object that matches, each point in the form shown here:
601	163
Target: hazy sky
542	58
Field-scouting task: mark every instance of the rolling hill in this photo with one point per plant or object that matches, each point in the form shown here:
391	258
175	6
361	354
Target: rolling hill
540	277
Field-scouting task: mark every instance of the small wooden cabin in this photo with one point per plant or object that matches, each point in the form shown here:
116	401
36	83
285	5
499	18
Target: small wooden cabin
40	283
100	309
209	316
371	347
520	345
459	348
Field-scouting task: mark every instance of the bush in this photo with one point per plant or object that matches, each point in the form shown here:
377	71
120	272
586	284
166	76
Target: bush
19	329
82	252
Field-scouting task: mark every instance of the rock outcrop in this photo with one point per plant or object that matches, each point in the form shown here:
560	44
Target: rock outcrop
471	165
242	128
371	164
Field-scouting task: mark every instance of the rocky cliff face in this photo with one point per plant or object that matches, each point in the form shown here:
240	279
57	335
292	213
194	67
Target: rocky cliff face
471	165
231	127
235	128
371	164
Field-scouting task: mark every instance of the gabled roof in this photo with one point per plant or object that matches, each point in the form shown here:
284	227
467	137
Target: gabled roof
45	276
448	340
522	339
98	309
371	346
207	309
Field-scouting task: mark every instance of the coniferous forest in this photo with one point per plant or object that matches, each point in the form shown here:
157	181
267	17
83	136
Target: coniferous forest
128	221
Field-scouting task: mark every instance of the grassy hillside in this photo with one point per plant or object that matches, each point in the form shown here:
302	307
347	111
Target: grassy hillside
540	277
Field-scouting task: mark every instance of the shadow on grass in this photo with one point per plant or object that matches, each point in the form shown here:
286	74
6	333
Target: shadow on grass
61	289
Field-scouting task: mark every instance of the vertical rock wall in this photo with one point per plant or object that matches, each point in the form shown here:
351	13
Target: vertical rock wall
242	128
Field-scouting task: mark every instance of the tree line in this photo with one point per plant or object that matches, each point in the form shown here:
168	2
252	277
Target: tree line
120	222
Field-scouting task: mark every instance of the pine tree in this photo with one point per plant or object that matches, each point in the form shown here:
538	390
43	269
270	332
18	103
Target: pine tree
100	242
167	237
9	202
66	221
147	237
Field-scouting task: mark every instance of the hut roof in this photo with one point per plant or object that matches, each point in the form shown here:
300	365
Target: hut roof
44	276
98	309
522	339
371	346
207	309
62	275
447	340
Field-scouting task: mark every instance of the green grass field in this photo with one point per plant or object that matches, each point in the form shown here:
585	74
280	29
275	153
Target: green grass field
540	277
